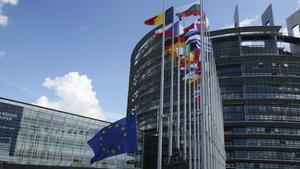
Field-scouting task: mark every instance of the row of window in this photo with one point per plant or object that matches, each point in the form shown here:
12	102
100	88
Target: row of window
260	95
271	155
260	166
284	143
260	117
262	109
262	130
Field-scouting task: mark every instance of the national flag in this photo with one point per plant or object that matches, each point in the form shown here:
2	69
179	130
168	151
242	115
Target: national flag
178	42
117	138
192	26
189	10
191	33
191	73
159	19
195	44
176	27
192	38
168	32
175	54
194	56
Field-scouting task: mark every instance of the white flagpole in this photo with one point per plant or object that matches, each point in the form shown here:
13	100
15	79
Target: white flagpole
178	92
171	96
190	119
203	94
194	121
185	110
159	153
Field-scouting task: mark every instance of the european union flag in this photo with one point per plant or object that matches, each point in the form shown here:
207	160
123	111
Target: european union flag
117	138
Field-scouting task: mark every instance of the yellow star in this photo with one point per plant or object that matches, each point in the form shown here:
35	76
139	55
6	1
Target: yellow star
109	127
123	128
113	151
103	131
117	125
125	134
119	147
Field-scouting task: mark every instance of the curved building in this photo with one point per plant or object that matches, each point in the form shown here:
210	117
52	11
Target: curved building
144	99
144	94
260	84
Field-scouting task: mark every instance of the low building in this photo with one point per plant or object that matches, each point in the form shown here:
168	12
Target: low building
36	137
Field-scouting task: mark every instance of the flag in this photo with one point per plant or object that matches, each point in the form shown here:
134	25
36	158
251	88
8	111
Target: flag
178	42
194	56
177	27
192	26
193	38
189	10
168	32
191	32
159	19
195	44
117	138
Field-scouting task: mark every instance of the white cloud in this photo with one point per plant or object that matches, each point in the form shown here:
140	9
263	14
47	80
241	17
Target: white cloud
12	2
75	94
298	4
249	22
245	22
4	19
85	28
2	54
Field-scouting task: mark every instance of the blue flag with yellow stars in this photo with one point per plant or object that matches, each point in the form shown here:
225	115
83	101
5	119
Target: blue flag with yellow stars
117	138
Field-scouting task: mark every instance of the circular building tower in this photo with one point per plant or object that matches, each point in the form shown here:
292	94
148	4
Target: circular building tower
260	86
144	94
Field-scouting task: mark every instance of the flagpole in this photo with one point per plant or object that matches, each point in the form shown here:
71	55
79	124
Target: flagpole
159	152
178	91
190	119
194	120
171	96
198	129
203	94
185	109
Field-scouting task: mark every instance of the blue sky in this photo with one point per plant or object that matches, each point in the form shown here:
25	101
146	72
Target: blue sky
51	38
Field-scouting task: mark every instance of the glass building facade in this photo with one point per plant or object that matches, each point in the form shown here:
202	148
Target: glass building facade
144	94
260	84
144	99
37	137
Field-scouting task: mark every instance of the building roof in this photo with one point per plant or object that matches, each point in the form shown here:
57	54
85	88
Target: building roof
273	29
28	104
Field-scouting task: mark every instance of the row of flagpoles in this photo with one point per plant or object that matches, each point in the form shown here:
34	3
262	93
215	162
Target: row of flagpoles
193	51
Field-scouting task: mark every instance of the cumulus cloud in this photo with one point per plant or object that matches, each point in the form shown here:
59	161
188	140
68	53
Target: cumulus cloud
85	28
245	22
2	54
4	19
75	94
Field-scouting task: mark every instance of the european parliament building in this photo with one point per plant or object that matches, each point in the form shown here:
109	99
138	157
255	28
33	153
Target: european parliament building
259	75
33	137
